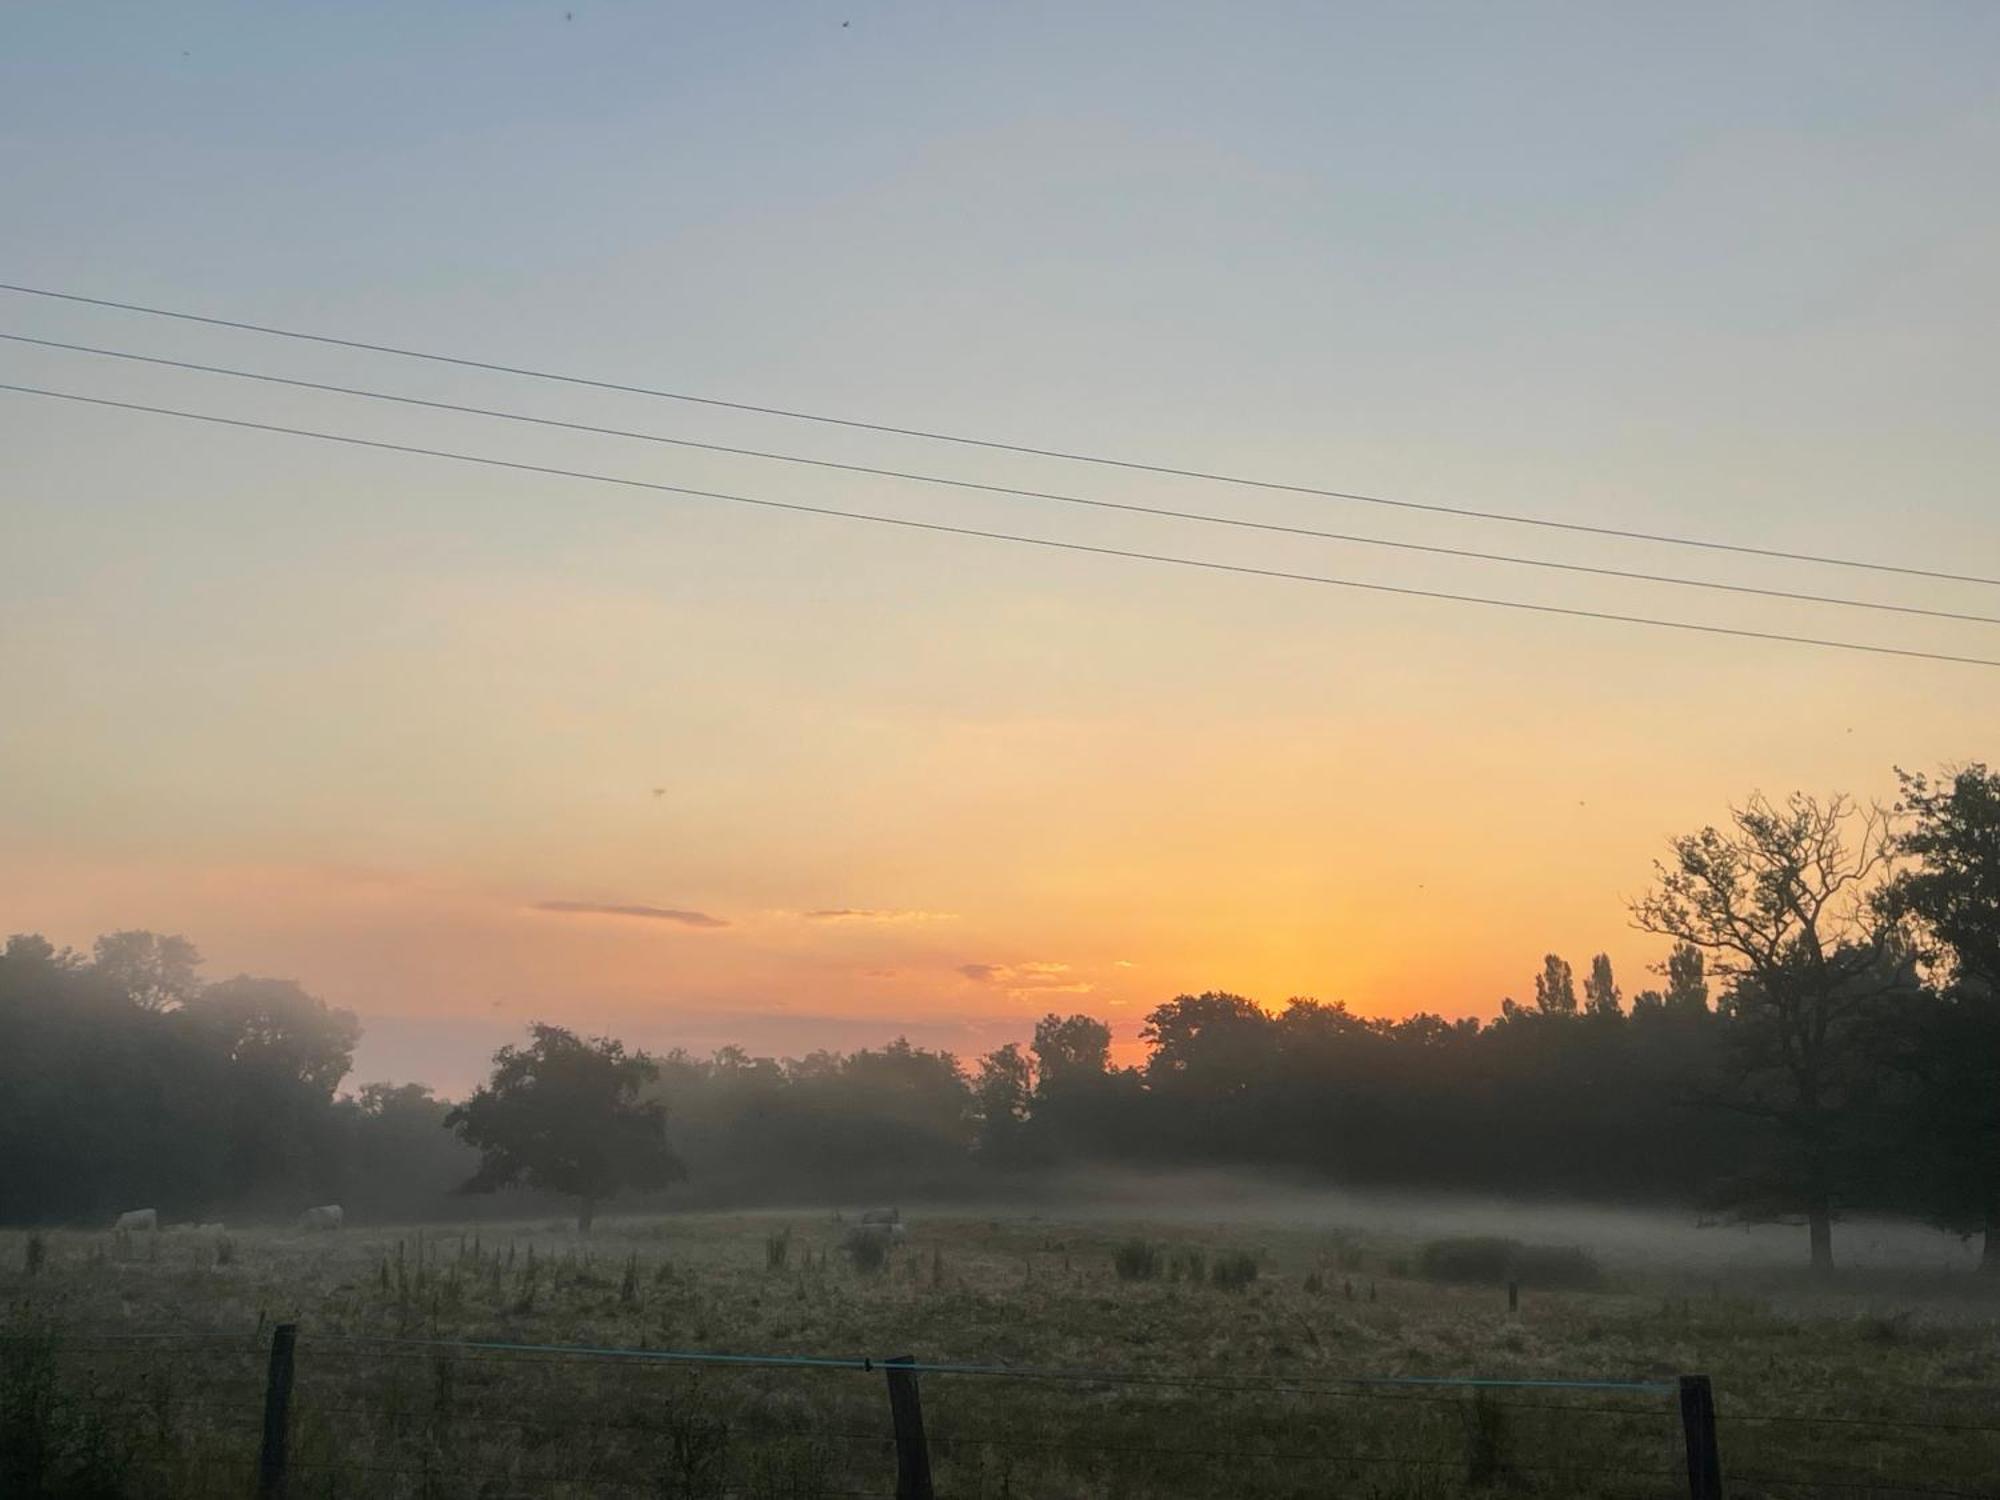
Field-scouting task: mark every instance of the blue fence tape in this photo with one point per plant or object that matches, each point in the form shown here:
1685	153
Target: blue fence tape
926	1367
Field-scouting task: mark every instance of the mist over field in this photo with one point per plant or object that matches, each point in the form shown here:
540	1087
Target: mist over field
1653	1240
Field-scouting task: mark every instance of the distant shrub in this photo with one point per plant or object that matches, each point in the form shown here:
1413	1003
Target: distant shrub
36	1253
778	1249
1190	1264
868	1250
225	1250
1136	1260
1558	1267
1314	1284
1490	1260
1233	1271
1477	1259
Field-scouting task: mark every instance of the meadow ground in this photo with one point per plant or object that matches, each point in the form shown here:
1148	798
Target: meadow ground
135	1364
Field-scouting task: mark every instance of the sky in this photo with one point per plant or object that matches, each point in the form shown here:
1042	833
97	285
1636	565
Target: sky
461	747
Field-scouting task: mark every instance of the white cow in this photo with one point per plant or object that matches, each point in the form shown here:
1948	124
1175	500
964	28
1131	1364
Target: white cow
139	1218
328	1216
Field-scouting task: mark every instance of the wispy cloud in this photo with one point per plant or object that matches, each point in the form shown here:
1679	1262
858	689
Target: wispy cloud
650	913
877	914
1043	977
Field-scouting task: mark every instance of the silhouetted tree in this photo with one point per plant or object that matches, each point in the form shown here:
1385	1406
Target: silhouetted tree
1003	1092
1077	1108
1780	903
398	1163
153	971
1555	991
1687	979
274	1027
1600	990
1951	899
564	1115
1068	1048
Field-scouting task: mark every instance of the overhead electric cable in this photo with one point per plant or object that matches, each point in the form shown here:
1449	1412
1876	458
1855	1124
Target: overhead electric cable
1205	517
994	445
911	524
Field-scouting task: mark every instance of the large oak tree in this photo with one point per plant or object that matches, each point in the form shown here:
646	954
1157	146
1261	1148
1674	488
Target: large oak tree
1780	903
564	1115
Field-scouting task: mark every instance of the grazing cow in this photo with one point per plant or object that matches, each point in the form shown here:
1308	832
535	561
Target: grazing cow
881	1216
139	1218
326	1217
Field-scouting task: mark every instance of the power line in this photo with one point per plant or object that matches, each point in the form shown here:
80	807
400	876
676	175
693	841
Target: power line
940	527
1205	517
1131	465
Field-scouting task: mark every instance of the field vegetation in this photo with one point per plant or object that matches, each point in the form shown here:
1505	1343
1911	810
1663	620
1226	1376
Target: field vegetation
135	1364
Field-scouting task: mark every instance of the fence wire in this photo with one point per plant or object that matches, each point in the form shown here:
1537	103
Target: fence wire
443	1418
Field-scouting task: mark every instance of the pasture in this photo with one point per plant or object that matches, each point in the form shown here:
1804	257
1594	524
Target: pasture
1170	1357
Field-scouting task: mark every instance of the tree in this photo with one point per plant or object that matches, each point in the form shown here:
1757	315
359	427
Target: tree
1070	1048
1001	1093
273	1027
1077	1101
276	1054
1951	899
563	1115
1600	990
398	1164
1687	980
1952	893
1780	904
153	971
1555	992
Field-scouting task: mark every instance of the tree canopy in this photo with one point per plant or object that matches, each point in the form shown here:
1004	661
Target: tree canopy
565	1115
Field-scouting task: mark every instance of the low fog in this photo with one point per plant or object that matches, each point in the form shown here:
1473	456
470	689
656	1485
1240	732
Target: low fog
1637	1239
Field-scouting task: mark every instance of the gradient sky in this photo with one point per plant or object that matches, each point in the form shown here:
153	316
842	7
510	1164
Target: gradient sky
361	719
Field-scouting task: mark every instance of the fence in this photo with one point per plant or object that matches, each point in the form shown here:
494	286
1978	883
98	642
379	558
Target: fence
304	1414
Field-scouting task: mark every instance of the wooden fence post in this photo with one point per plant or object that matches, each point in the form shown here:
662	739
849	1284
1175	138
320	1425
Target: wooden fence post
1698	1424
906	1411
277	1411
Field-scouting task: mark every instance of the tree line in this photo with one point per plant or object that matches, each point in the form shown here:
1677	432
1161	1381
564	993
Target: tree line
1823	1037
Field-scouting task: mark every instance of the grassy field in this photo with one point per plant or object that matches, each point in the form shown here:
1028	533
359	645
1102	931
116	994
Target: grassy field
134	1365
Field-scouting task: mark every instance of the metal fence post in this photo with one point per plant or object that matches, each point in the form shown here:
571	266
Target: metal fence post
906	1411
1704	1459
277	1412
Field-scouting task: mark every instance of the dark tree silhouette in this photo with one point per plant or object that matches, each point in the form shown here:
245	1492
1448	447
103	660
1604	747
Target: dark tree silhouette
155	971
1555	990
1780	903
1951	899
1071	1047
1002	1094
564	1115
1600	990
1687	979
